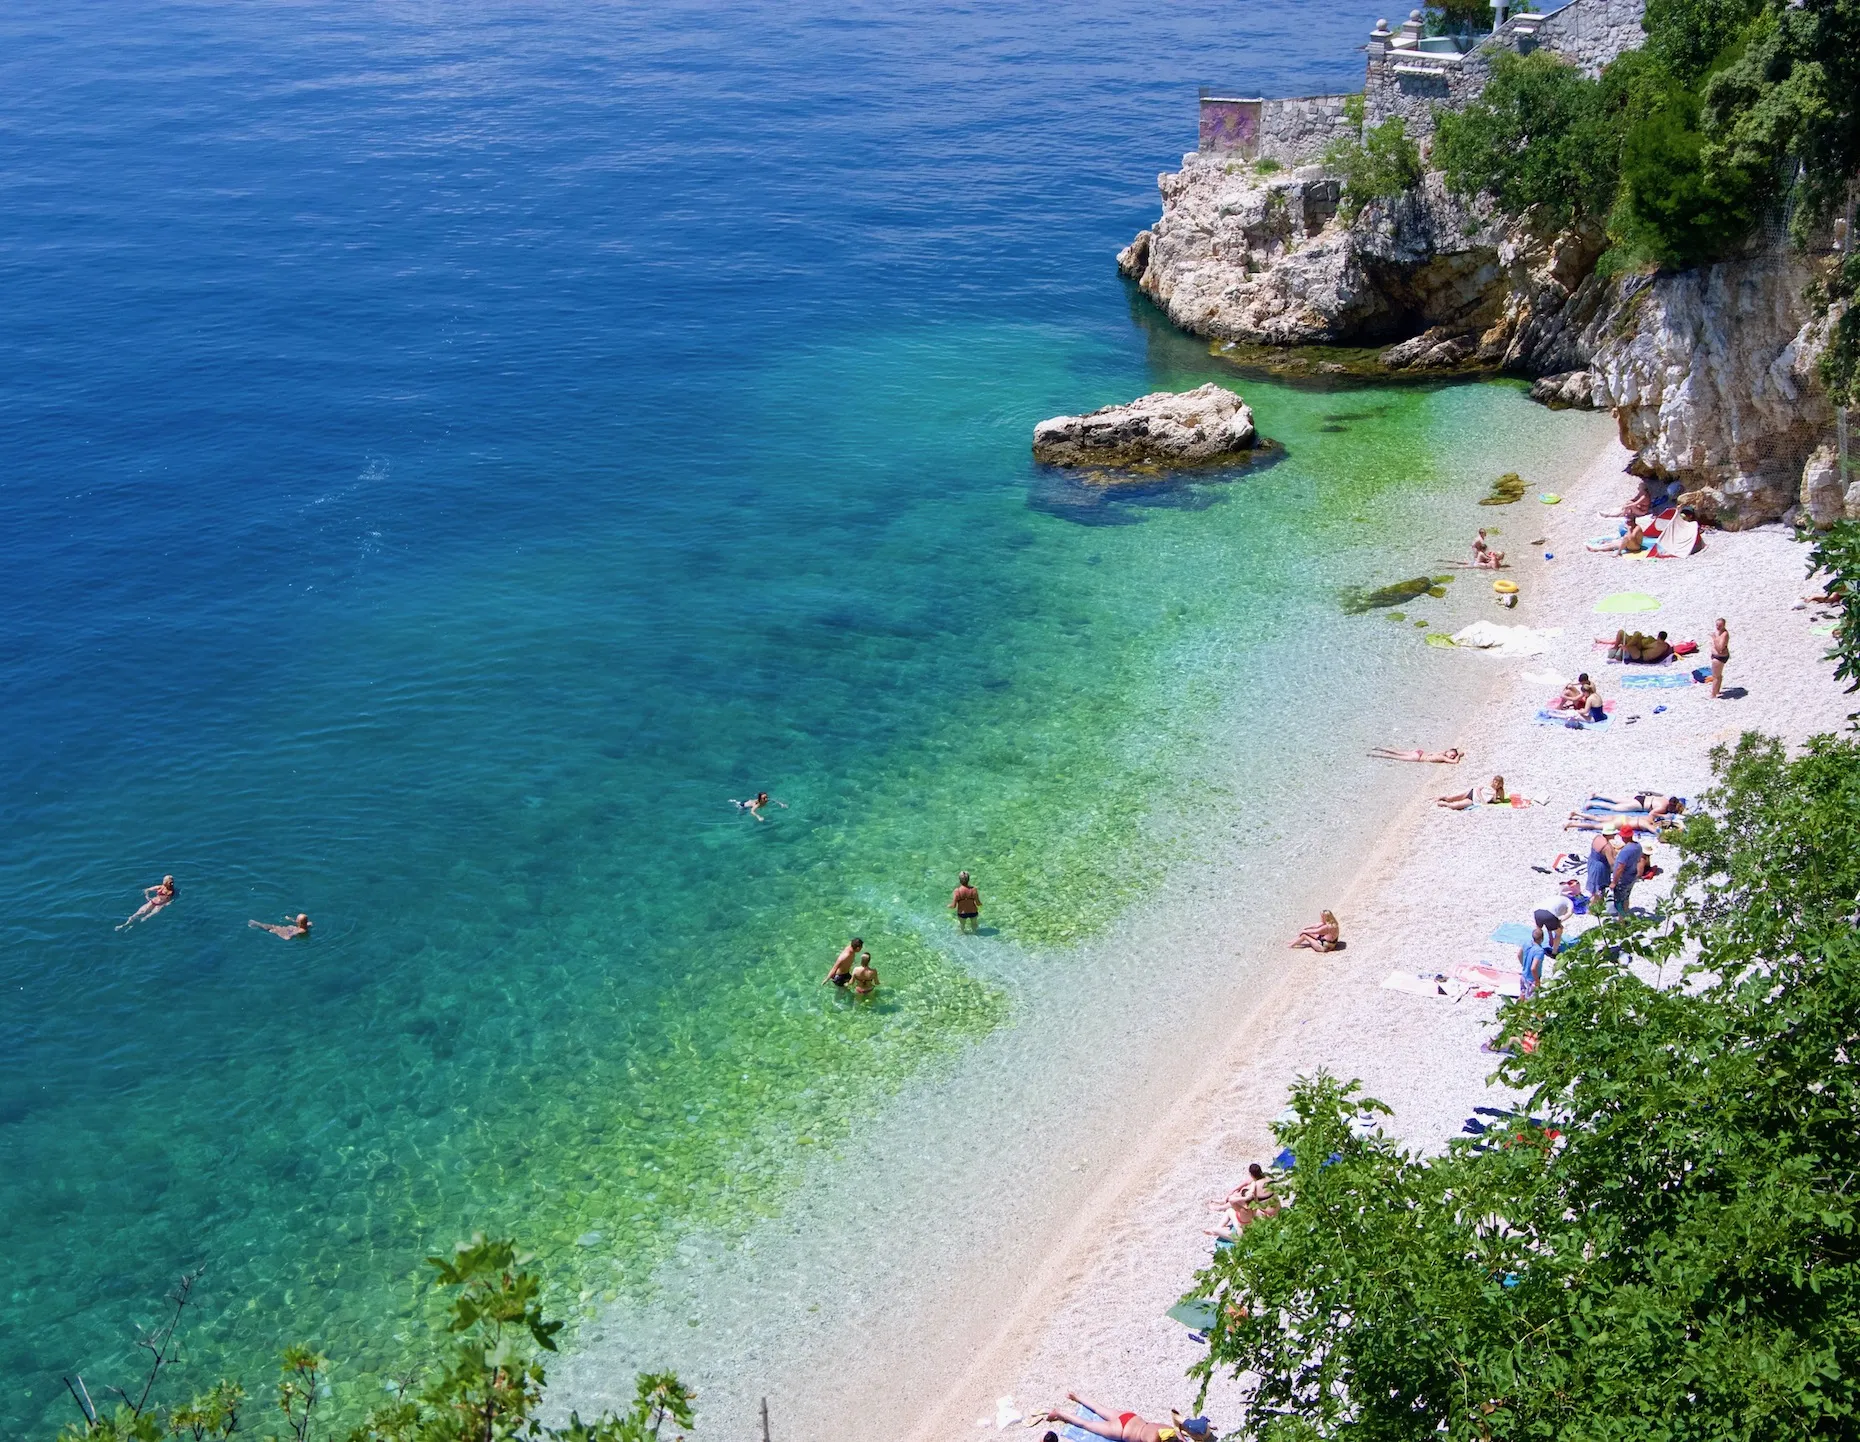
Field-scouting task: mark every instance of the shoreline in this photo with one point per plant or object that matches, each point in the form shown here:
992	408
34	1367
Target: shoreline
1435	884
933	1234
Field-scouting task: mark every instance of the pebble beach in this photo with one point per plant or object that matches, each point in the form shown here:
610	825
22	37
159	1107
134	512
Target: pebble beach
1435	888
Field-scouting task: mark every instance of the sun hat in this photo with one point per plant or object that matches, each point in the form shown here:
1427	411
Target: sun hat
1625	831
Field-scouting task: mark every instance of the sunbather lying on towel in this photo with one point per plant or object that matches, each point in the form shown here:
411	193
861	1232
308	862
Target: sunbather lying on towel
1452	756
1476	796
1636	646
1126	1426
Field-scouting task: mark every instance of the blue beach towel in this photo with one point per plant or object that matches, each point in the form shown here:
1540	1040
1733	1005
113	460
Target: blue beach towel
1564	718
1079	1434
1512	933
1657	680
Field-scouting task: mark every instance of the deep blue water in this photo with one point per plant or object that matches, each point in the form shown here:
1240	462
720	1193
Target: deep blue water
447	451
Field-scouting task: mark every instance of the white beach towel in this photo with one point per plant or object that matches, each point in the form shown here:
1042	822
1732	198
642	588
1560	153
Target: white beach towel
1425	983
1496	640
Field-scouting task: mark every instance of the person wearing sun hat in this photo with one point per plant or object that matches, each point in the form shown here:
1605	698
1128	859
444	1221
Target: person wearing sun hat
1629	861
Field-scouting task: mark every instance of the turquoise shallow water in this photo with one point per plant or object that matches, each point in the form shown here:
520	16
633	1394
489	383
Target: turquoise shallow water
451	454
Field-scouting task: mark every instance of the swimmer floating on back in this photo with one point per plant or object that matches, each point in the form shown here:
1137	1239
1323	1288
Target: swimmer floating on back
291	927
1452	756
755	805
154	898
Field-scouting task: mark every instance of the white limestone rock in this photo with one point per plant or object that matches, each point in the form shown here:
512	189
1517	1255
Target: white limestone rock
1166	428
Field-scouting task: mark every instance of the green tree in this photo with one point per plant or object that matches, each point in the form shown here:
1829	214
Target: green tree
1537	136
484	1385
1671	1248
1385	163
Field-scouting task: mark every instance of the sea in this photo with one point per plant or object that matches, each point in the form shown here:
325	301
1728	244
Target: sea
452	453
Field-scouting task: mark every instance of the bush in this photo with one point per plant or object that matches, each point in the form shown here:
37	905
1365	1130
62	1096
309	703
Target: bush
485	1384
1385	163
1537	136
1662	1243
1675	204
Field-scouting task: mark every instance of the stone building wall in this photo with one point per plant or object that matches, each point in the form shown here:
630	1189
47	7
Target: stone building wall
1296	132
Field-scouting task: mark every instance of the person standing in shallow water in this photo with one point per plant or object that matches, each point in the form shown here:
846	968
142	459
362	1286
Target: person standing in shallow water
840	973
966	902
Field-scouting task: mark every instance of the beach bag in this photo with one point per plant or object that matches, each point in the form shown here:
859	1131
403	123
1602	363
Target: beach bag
1701	673
1686	648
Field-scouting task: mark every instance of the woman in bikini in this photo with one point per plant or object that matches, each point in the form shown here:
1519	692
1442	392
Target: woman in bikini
1452	756
1634	541
1322	937
1476	796
1247	1203
1126	1426
154	898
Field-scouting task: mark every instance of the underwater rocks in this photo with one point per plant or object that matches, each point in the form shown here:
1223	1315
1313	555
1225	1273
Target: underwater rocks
1163	429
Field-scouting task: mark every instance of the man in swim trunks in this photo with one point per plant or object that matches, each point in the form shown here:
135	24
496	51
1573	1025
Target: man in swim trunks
966	902
1720	655
1550	920
291	928
840	973
154	898
754	808
1127	1426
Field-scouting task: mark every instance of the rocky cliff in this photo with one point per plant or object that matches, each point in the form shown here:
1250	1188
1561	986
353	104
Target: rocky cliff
1710	373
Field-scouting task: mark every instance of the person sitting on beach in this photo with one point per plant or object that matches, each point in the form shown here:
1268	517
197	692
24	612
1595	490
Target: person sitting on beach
1452	756
154	898
1253	1200
754	806
1639	504
1476	796
1325	936
1125	1426
1632	543
864	978
1636	647
1570	699
1484	558
966	902
291	927
1593	707
840	973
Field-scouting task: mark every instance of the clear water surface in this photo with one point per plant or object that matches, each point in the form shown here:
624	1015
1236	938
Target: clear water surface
449	451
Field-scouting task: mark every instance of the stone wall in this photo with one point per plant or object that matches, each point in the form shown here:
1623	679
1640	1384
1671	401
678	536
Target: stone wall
1296	132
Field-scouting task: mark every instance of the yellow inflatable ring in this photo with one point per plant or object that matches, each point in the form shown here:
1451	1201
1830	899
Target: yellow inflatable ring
1505	588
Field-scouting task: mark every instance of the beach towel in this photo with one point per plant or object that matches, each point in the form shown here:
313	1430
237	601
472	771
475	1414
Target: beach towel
1656	680
1496	640
1195	1313
1511	933
1570	719
1079	1434
1483	977
1622	603
1426	983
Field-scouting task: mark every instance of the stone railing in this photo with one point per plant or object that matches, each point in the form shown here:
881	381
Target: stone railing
1410	74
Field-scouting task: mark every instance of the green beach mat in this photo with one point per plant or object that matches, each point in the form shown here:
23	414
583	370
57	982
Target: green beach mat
1196	1313
1623	602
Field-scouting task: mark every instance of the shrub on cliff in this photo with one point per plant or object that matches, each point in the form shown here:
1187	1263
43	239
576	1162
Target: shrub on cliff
1383	164
485	1385
1537	136
1671	1247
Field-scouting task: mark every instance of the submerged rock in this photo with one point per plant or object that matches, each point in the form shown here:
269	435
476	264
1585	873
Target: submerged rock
1166	428
1357	600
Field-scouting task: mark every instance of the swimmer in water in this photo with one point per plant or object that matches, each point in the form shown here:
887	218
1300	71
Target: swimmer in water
154	898
290	928
754	807
864	978
840	973
1452	756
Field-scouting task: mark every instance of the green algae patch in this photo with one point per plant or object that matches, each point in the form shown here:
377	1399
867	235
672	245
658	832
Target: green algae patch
1507	490
1359	600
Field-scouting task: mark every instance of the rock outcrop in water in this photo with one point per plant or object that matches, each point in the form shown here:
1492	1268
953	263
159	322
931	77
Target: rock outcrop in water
1164	429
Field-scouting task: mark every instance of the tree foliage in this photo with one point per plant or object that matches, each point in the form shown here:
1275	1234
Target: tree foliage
1837	551
485	1384
1665	1244
1382	165
1537	136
